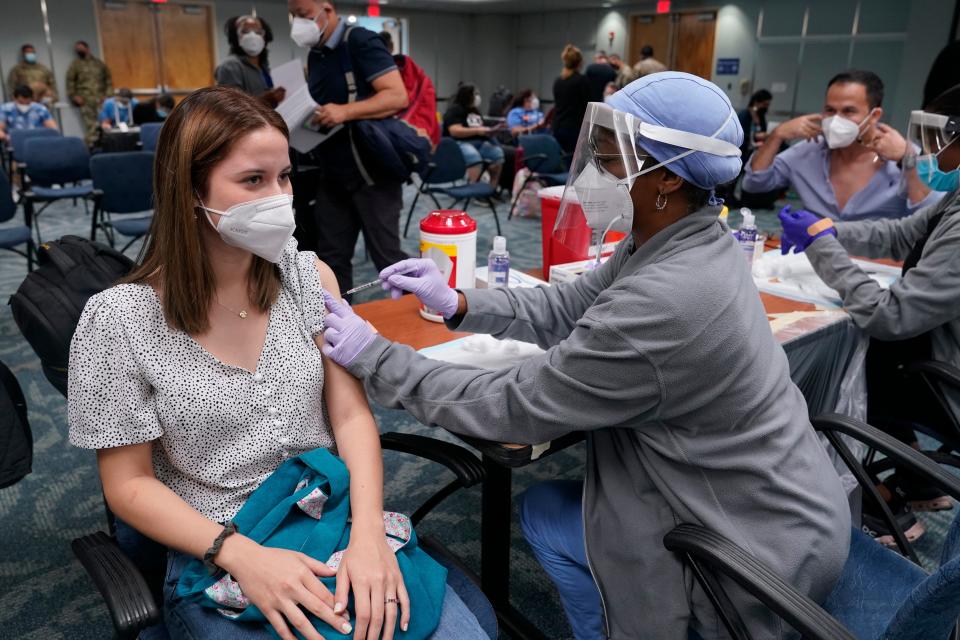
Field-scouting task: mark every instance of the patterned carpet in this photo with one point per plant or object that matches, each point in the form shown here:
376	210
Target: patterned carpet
44	594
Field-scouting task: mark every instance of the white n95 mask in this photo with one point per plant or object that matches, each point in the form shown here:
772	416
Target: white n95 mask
261	226
605	201
252	43
305	32
840	132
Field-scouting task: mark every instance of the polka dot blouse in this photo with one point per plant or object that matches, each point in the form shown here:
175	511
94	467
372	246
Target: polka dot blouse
218	431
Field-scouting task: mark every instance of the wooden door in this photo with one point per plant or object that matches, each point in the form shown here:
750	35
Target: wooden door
653	30
186	46
129	44
693	44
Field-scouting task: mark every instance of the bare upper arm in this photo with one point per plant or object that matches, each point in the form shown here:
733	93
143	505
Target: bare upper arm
119	465
392	81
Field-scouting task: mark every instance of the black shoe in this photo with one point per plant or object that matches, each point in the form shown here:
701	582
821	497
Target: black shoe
919	495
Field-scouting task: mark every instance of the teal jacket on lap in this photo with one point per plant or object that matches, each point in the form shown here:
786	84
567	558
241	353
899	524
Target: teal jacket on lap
305	506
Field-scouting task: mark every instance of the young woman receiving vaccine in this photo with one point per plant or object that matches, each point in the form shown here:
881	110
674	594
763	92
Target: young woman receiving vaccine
197	377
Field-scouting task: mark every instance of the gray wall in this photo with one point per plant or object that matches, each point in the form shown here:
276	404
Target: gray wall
897	39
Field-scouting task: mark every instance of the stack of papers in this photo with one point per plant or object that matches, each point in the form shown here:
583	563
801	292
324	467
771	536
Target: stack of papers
298	107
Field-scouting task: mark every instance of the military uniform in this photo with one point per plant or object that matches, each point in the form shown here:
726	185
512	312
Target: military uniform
90	79
36	76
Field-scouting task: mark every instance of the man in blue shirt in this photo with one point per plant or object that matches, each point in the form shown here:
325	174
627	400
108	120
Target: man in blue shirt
353	195
24	113
118	109
850	165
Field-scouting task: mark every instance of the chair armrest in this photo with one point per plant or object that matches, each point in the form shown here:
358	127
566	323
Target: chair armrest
942	371
124	590
721	555
462	463
897	451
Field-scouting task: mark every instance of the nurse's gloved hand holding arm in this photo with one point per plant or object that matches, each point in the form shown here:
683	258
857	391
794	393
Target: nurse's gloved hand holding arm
801	228
422	278
346	334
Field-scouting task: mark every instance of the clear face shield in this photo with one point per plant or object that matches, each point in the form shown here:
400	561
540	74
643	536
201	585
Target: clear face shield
931	133
596	207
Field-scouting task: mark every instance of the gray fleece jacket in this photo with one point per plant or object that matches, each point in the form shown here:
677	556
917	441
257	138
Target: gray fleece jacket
926	299
664	356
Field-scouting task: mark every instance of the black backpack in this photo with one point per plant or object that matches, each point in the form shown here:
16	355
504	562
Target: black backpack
16	441
48	304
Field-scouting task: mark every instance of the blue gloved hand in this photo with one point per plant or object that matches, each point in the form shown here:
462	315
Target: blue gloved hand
800	228
422	278
345	333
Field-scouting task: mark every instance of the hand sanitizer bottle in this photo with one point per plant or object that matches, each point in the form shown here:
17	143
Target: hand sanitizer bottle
498	264
748	234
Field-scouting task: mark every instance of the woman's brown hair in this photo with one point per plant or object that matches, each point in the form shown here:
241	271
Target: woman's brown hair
572	58
199	133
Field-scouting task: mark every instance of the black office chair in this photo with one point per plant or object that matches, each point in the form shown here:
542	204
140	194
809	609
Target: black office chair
124	181
880	594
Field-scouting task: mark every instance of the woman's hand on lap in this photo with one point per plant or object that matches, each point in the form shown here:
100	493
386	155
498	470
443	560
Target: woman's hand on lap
278	582
369	567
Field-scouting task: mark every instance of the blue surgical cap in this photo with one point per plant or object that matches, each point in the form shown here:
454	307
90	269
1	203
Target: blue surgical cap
688	103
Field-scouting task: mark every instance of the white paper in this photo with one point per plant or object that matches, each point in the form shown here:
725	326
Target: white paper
298	106
482	350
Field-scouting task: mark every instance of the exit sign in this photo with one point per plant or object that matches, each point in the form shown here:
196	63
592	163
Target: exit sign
663	6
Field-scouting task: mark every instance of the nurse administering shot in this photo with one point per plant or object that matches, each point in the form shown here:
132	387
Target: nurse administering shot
662	355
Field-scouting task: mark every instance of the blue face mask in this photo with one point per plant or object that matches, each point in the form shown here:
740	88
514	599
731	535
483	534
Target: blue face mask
928	169
162	113
30	57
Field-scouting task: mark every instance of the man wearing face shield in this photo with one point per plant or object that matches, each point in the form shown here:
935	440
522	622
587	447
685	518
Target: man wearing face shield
846	164
663	355
918	317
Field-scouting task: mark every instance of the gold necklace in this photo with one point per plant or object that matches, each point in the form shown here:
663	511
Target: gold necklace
242	313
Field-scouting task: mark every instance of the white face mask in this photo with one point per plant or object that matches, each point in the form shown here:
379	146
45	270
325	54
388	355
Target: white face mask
840	132
305	32
477	100
23	108
534	104
252	43
261	226
605	201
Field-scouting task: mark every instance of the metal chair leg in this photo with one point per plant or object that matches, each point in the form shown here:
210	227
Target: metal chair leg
413	204
513	204
93	224
496	218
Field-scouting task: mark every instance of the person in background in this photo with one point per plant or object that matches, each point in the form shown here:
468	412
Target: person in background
525	115
464	123
247	67
352	195
24	113
648	64
917	318
848	165
118	109
422	110
154	110
599	74
753	119
88	83
571	93
625	73
35	75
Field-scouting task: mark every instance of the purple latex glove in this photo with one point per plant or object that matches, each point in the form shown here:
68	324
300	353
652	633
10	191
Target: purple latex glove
800	228
346	334
422	278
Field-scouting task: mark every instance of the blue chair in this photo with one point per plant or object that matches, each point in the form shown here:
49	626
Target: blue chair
445	174
149	134
19	137
546	161
12	237
53	161
124	181
880	594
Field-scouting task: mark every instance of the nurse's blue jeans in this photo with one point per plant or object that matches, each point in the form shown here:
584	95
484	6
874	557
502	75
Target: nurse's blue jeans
552	520
190	621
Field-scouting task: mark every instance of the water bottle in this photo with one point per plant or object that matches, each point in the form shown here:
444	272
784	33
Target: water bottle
748	234
498	264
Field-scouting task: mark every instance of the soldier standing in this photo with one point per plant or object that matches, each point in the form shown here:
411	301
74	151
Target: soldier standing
33	74
88	83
